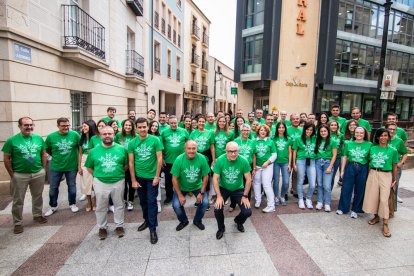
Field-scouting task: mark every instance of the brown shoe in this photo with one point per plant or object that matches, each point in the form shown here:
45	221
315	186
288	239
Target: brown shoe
40	219
18	229
120	232
102	233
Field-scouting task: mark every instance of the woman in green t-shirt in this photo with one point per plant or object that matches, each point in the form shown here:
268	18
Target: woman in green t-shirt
283	162
338	138
351	125
84	177
114	125
187	124
221	136
239	121
326	151
383	161
303	160
354	173
123	137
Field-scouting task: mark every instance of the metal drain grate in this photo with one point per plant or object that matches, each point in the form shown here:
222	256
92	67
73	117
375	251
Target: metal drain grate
404	193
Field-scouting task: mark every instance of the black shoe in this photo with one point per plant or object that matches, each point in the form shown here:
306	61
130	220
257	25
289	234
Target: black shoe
102	233
200	225
181	226
295	195
154	237
167	200
143	226
240	226
120	232
219	234
286	197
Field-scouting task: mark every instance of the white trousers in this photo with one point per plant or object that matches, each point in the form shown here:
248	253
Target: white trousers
264	177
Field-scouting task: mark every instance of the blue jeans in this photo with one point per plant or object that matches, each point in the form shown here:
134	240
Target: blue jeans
355	178
324	181
303	170
55	178
396	188
277	168
180	212
337	165
148	200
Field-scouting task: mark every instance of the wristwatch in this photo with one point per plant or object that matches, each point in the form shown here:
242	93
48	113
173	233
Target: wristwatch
245	196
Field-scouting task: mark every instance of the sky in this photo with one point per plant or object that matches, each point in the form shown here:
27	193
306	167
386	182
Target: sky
222	14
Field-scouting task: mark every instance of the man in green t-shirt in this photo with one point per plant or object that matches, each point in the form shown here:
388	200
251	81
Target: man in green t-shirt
356	115
229	170
173	140
62	145
162	122
25	159
145	161
107	163
335	111
210	124
111	111
399	133
190	175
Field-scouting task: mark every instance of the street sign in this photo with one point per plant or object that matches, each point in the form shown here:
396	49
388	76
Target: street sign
389	81
233	90
385	95
22	53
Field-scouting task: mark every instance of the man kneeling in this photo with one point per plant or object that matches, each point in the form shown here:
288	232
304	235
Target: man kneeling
228	182
190	174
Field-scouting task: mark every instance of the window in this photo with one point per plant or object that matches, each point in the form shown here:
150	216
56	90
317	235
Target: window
157	61
252	60
79	105
254	13
402	106
326	99
349	100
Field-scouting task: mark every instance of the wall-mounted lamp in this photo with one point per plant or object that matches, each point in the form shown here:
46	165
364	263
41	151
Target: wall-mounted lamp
303	64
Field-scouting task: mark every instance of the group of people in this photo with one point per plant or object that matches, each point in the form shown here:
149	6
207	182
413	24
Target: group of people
216	158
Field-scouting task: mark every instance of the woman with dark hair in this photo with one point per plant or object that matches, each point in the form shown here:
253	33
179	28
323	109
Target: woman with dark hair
338	138
351	125
84	177
238	122
354	173
96	139
187	124
114	125
326	151
304	163
193	125
282	163
254	126
221	136
383	161
322	120
228	117
123	138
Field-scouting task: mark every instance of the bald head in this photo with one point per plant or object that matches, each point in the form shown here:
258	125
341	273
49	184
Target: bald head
190	149
232	151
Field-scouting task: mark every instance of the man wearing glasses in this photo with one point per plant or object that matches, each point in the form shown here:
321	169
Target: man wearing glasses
229	170
63	146
25	160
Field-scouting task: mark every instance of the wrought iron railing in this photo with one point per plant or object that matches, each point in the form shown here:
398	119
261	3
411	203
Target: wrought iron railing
135	63
175	36
205	38
204	65
156	20
194	86
81	30
157	65
195	30
204	89
137	6
169	31
195	59
163	25
179	41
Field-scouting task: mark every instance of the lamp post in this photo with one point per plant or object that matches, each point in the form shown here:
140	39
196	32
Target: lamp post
378	108
215	81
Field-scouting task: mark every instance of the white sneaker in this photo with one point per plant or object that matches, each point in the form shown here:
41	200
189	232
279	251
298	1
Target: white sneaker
327	208
354	215
111	209
82	198
339	212
130	207
269	209
399	200
51	211
319	206
309	204
257	205
301	204
74	208
159	206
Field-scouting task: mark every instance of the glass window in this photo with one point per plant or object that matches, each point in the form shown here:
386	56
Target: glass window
349	100
79	106
368	107
326	99
402	106
254	13
253	47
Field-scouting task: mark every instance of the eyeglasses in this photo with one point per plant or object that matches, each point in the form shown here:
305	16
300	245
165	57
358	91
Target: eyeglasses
64	126
232	151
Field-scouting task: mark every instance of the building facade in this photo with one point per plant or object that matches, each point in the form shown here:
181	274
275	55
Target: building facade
196	56
306	55
220	82
69	58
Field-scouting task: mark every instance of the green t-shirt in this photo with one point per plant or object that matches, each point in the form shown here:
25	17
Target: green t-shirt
107	119
357	152
339	140
398	145
327	152
181	124
145	155
64	149
361	122
246	148
341	121
261	120
264	149
203	139
305	151
382	157
400	133
287	122
173	142
220	141
108	163
26	152
208	127
294	133
272	131
164	127
124	142
95	141
84	146
190	173
282	149
252	135
231	172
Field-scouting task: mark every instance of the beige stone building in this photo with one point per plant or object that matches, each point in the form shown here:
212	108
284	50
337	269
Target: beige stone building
69	58
196	53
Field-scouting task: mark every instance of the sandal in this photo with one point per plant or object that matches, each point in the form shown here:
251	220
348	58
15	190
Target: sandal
373	221
386	231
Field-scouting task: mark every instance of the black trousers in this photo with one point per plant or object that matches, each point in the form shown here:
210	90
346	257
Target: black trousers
168	181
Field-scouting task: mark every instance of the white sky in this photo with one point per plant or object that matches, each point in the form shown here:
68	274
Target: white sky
222	14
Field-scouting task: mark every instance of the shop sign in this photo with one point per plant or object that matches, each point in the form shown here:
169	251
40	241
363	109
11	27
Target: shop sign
302	4
233	90
22	53
295	83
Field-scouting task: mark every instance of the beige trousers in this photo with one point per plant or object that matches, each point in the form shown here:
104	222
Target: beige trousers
377	192
84	180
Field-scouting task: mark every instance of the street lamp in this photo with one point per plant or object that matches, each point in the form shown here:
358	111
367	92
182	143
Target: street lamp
215	81
378	108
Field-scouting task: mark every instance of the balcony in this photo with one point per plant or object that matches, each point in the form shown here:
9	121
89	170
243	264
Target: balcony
81	31
156	20
179	3
134	63
205	40
169	31
174	36
204	89
169	70
194	86
163	25
195	32
179	41
157	65
204	65
136	6
178	75
195	60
